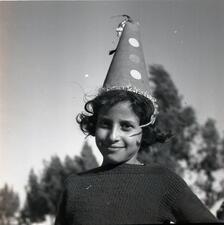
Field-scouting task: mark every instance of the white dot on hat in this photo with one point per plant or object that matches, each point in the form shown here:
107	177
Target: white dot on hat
134	58
135	74
133	42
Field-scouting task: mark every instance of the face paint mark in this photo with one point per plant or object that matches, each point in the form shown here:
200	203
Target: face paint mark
138	143
133	135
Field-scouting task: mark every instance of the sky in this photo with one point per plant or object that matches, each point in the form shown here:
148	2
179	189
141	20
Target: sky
53	53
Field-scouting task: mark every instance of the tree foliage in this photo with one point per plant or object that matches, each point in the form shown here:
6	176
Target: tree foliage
209	154
9	204
173	118
43	193
193	148
35	205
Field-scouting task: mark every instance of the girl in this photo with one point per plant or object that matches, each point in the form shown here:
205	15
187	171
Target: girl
123	190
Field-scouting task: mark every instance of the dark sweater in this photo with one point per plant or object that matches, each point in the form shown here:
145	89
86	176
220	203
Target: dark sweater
129	194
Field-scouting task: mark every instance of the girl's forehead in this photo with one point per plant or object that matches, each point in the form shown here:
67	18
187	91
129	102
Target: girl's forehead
120	110
118	106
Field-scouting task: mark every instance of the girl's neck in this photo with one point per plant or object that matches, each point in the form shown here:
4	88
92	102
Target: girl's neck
131	162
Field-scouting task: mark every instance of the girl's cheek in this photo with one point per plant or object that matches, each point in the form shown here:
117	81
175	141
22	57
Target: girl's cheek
101	133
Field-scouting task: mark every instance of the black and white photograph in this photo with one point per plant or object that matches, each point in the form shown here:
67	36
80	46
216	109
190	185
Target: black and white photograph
111	112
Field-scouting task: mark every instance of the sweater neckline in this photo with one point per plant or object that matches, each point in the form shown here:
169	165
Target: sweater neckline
123	167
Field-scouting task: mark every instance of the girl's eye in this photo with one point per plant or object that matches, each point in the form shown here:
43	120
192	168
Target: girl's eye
104	124
126	126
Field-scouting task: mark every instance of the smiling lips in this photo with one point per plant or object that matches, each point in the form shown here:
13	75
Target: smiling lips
114	148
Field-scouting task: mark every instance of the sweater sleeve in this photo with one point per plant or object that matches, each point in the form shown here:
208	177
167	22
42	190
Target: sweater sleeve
61	217
188	207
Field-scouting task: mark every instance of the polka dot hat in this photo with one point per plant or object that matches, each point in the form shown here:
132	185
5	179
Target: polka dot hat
127	70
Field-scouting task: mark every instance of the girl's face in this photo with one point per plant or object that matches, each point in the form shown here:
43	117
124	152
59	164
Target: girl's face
118	134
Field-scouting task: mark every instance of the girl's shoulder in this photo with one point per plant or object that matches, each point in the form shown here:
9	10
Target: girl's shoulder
73	176
159	169
168	176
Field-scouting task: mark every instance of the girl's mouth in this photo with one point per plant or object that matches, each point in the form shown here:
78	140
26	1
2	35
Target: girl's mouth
114	148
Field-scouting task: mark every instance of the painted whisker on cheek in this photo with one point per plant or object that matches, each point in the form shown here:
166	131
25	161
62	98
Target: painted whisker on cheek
136	134
138	142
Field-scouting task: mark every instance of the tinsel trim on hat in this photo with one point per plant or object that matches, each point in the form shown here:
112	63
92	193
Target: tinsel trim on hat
137	91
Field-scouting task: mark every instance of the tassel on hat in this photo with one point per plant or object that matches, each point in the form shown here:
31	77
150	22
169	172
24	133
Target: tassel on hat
127	70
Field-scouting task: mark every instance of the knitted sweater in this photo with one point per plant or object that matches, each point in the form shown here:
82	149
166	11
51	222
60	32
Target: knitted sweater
129	194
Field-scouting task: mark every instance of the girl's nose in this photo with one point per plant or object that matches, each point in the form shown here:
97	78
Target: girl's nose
114	134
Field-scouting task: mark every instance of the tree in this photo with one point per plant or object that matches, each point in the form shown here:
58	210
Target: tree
43	193
87	160
221	152
193	149
9	204
173	118
36	201
52	182
208	153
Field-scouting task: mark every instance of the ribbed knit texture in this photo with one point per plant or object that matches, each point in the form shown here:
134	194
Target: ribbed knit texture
129	194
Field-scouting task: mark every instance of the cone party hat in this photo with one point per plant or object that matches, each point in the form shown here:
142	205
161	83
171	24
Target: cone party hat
127	70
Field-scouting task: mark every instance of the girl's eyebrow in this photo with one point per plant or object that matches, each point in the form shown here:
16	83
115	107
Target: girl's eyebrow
104	118
122	120
128	121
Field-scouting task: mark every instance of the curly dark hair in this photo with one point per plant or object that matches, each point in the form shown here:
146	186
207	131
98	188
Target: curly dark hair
141	106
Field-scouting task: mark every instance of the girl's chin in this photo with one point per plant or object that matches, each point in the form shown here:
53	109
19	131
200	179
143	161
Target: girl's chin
113	160
116	159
